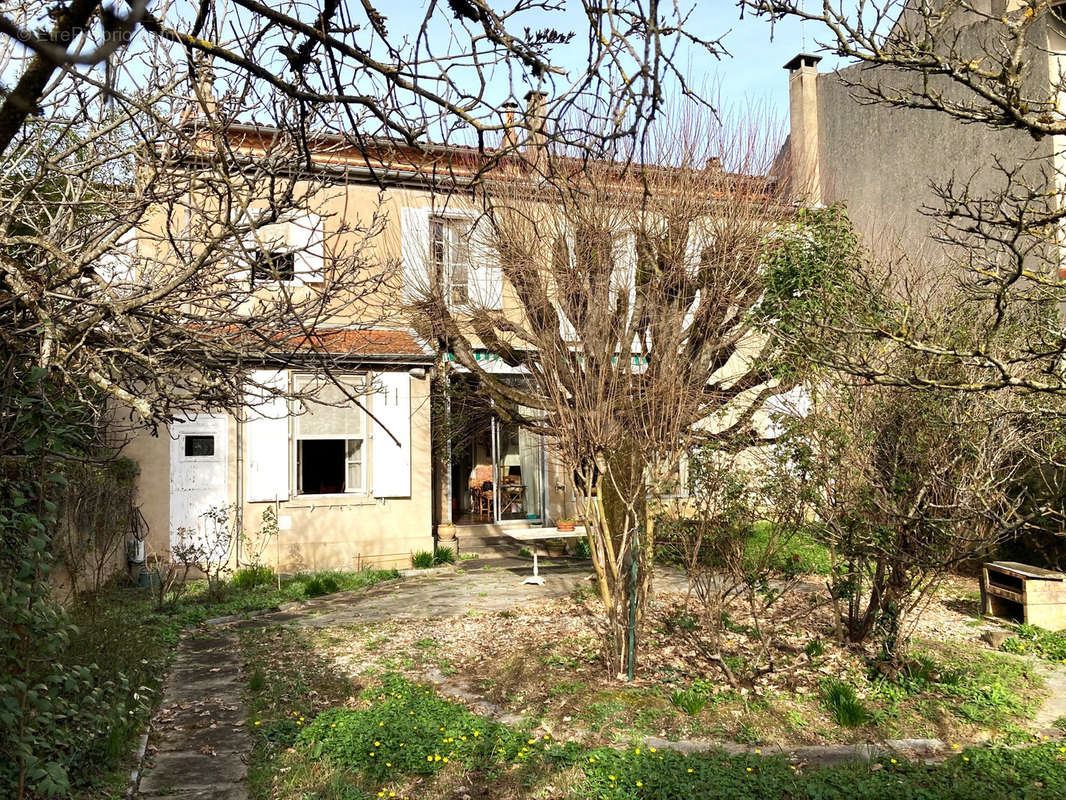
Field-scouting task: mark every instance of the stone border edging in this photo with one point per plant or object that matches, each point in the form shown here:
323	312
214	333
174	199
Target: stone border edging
138	756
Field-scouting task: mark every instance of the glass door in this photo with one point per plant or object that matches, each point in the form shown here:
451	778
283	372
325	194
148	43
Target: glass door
519	465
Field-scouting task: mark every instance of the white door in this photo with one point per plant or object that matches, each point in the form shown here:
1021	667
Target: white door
198	471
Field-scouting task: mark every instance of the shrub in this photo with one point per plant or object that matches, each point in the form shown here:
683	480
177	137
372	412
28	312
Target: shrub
582	548
814	648
444	555
250	577
423	559
840	699
320	585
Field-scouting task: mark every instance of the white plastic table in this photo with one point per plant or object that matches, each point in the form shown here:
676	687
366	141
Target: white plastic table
535	534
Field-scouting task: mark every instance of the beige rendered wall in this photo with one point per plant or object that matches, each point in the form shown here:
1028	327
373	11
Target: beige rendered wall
320	532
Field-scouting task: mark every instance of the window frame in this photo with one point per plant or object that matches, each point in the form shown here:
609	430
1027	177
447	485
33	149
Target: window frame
359	383
443	264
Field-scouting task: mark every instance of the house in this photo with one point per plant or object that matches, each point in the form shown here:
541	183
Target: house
891	165
350	483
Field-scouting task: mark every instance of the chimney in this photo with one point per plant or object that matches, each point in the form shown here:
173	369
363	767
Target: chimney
509	140
806	176
206	102
535	102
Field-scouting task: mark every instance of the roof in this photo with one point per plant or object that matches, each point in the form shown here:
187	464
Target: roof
363	343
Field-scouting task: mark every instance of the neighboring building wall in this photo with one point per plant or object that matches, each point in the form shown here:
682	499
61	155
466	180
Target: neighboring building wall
884	162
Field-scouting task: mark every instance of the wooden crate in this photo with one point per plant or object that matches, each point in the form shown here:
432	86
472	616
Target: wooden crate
1023	593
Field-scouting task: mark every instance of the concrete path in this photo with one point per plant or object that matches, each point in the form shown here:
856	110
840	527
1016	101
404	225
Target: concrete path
199	731
490	587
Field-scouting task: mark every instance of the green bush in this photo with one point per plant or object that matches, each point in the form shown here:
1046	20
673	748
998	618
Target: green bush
840	699
250	577
423	559
582	548
444	555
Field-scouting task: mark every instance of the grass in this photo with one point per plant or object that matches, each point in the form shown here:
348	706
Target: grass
840	699
400	739
1029	639
198	605
803	553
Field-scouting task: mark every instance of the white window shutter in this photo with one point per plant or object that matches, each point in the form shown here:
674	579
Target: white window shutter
624	273
486	277
391	404
304	237
266	437
414	237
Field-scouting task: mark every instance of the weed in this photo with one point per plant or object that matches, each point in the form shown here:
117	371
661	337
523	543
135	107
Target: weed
423	559
251	577
426	643
689	700
444	555
840	699
815	648
257	680
525	552
320	585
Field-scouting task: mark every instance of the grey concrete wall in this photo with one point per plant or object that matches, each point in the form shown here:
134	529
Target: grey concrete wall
884	162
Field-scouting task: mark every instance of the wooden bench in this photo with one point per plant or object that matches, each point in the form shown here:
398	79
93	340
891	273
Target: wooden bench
1023	593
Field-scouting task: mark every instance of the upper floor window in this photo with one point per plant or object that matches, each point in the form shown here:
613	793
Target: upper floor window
273	266
449	248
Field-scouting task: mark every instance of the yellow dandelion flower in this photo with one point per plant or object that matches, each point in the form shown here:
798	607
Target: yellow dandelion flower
388	763
965	758
954	747
381	724
749	769
611	777
371	753
690	769
757	752
639	784
637	751
436	758
377	744
651	749
476	733
592	759
445	759
429	758
256	722
892	761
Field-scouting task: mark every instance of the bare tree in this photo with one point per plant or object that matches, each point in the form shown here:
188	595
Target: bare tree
629	319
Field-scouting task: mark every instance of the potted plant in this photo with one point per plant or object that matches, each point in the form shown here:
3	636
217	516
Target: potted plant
445	531
565	525
555	547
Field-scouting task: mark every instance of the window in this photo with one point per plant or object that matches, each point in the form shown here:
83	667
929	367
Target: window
449	241
330	439
274	266
199	446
